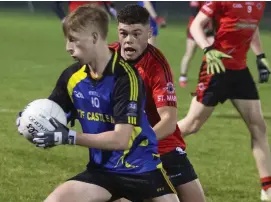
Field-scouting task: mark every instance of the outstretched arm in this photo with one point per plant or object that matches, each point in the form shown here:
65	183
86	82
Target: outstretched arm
255	44
261	61
197	29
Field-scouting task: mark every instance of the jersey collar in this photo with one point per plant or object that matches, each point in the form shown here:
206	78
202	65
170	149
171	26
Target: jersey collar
109	69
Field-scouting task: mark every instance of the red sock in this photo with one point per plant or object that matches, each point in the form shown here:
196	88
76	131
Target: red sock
266	183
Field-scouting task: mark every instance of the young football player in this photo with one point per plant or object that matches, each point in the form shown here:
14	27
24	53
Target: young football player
108	95
224	74
161	105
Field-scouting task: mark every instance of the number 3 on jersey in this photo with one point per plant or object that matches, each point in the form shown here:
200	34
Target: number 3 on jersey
95	102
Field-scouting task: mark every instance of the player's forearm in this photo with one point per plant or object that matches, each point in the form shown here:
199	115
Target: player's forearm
255	44
149	7
107	141
164	128
197	31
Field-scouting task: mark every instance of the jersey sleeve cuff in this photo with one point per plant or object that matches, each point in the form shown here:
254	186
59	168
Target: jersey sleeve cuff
210	15
132	120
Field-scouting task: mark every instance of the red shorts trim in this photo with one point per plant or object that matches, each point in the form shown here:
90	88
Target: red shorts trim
203	82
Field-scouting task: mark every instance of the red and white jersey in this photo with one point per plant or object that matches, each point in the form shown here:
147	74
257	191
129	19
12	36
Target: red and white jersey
160	91
235	22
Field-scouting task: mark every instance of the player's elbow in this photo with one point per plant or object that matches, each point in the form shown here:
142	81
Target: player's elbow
194	28
123	134
121	143
198	24
171	126
170	123
167	123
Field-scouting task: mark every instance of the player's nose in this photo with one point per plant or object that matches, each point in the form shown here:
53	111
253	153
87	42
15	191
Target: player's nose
69	48
129	39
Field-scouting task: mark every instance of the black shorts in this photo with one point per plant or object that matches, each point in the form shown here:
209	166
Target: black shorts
217	88
134	187
178	167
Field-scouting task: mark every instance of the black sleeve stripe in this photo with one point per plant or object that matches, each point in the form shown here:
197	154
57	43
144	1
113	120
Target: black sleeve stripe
160	60
133	88
133	80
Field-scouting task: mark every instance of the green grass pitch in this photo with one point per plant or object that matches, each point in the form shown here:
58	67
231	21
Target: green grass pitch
32	57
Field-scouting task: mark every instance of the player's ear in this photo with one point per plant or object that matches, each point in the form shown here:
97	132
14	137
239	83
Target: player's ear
95	37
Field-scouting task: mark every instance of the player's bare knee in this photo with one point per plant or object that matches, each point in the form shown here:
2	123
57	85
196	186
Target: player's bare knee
197	116
257	127
192	129
190	125
195	125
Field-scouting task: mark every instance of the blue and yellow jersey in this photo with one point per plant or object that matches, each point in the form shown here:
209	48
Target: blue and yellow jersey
116	98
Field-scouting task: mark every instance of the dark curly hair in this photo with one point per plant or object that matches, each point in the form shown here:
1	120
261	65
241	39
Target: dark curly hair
133	14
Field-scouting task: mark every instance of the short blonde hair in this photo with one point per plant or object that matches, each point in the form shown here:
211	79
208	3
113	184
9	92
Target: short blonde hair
85	16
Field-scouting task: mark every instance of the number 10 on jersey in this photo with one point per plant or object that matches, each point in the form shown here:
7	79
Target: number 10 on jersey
95	102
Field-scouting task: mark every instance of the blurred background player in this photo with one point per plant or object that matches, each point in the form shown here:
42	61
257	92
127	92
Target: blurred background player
155	20
191	45
57	7
161	103
224	74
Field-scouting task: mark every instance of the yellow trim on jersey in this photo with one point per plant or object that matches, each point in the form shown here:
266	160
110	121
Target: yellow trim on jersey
157	156
133	80
164	173
135	134
75	79
144	143
95	76
132	120
133	87
114	61
98	77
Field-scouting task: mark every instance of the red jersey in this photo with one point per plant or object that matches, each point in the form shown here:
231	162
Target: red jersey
235	24
156	74
75	4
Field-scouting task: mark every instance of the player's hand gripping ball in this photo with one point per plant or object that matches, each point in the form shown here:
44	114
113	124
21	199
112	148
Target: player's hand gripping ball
35	118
